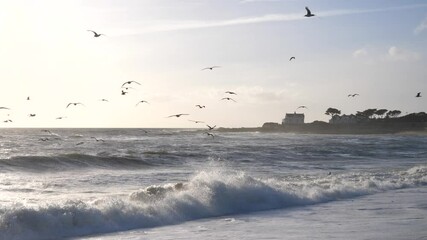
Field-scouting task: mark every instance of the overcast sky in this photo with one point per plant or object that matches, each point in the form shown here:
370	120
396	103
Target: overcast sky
376	48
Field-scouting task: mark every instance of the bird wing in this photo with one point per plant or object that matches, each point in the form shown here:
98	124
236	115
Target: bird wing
4	108
308	11
69	105
136	82
92	31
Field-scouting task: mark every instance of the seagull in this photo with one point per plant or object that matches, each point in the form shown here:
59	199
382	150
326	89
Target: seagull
292	58
95	34
32	115
227	98
142	101
103	100
102	140
6	108
210	128
28	98
129	82
232	93
178	115
210	134
301	107
59	118
211	68
75	104
195	121
8	120
418	94
200	106
353	95
309	14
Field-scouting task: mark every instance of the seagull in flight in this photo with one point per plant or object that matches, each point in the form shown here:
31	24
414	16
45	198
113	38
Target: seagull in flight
75	104
59	118
353	95
6	108
32	115
301	107
142	101
98	139
232	93
210	68
130	82
210	134
200	106
418	94
229	99
104	100
195	121
292	58
210	128
8	120
95	34
178	115
309	14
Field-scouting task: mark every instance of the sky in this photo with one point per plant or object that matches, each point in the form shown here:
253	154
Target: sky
376	48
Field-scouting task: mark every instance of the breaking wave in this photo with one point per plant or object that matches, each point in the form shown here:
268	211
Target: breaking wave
207	194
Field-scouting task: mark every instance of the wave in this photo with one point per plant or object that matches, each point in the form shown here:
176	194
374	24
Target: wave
207	194
70	161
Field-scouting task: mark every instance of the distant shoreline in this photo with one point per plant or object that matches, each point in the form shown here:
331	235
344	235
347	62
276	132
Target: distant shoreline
327	128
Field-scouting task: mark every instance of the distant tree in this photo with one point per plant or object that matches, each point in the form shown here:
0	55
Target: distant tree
380	112
393	113
369	113
333	111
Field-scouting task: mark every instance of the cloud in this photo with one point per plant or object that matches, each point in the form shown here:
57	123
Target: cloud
359	53
398	54
421	27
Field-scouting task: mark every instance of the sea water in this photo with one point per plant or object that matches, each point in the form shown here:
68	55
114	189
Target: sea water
183	184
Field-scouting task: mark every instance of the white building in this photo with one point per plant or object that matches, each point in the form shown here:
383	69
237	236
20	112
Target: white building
293	118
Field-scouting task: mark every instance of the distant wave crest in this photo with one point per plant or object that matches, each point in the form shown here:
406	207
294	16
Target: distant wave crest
207	194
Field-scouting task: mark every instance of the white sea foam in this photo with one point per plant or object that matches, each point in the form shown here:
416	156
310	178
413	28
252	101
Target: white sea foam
207	194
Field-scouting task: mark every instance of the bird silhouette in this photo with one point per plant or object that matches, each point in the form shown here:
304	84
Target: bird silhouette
210	68
309	14
178	115
104	100
75	104
353	95
95	34
142	101
302	107
210	134
210	128
6	108
200	106
229	99
231	93
418	94
28	98
195	121
32	115
292	58
59	118
130	82
8	120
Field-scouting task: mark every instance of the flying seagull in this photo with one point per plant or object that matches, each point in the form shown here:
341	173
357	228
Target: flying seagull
302	107
104	100
292	58
353	95
32	115
210	128
418	94
5	108
210	134
178	115
142	101
8	120
210	68
229	99
129	82
75	104
232	93
309	14
200	106
102	140
59	118
95	34
195	121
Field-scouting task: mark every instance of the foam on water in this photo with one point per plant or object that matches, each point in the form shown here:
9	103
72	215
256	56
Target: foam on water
207	194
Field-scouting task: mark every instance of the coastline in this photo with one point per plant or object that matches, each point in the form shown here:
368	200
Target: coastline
406	128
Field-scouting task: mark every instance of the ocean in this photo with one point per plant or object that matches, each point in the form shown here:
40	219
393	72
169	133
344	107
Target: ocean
184	184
